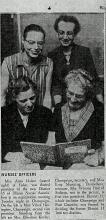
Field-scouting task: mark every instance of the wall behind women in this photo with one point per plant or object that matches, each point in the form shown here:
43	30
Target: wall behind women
9	35
91	34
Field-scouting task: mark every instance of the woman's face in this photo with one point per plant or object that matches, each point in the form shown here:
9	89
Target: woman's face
26	101
66	33
75	96
33	44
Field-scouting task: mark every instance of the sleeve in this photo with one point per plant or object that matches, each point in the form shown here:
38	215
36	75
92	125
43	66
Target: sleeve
56	117
56	84
49	74
100	124
49	120
4	82
4	133
47	97
56	88
90	66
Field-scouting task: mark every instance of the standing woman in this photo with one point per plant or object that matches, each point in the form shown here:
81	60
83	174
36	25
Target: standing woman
36	66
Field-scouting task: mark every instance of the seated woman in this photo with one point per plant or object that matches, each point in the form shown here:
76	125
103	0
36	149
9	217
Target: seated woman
24	120
81	117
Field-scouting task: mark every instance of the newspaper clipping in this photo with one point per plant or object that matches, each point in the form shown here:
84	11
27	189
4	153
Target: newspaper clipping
52	110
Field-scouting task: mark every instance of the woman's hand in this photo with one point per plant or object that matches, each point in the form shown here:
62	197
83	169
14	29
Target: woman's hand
95	157
92	158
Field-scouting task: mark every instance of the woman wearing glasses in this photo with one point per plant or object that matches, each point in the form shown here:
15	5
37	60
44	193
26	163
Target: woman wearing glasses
81	117
38	68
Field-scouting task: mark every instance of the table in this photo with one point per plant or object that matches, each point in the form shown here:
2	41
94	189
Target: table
17	161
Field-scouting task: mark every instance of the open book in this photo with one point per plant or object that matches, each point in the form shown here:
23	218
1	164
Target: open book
59	154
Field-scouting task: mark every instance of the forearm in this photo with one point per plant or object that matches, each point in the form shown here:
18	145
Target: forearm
47	96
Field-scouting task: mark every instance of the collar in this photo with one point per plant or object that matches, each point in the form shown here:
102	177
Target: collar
71	49
72	132
23	117
68	53
27	61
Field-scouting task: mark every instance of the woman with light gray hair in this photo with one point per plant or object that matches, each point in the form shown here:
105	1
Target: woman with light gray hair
83	79
81	117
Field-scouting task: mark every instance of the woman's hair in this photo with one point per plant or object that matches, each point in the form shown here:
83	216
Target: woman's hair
83	79
22	84
67	18
33	27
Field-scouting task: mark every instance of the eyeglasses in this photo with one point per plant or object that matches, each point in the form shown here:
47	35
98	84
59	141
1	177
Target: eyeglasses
77	96
39	43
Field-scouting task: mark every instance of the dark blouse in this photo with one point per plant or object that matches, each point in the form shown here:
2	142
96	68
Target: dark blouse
13	130
80	58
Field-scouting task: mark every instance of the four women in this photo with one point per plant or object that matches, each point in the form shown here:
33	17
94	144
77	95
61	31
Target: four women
80	118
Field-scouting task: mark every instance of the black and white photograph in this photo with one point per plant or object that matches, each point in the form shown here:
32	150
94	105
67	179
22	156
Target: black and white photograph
52	90
53	67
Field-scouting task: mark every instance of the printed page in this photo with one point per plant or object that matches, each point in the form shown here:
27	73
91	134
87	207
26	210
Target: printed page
37	191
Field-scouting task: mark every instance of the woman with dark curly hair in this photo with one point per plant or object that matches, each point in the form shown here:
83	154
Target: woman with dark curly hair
23	119
69	56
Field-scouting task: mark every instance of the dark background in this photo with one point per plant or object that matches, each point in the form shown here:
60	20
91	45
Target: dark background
9	35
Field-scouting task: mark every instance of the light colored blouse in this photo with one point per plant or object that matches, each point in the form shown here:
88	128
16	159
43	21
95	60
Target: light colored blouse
73	127
40	73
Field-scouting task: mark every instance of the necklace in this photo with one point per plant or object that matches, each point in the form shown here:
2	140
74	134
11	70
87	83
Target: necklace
67	56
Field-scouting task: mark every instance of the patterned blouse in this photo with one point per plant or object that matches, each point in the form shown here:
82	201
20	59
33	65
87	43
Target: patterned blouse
38	72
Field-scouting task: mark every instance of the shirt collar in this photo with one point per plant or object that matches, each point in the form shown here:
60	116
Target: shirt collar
23	117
